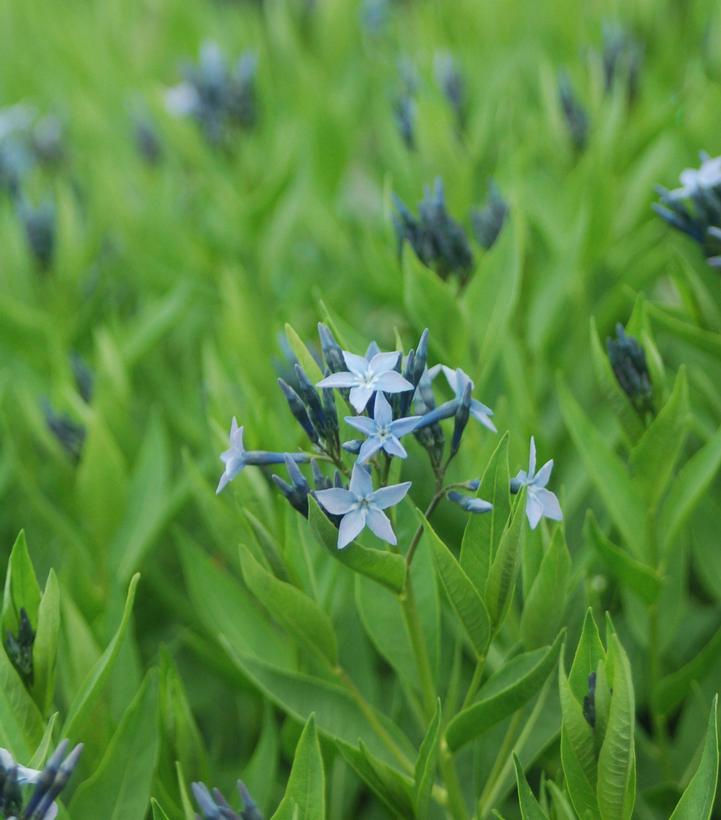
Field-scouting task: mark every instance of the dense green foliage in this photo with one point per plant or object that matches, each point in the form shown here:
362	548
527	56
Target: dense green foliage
569	670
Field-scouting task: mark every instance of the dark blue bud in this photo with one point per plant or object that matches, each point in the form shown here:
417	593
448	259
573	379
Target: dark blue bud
39	223
573	112
320	482
515	486
489	221
250	809
352	446
332	352
311	399
297	408
469	504
472	485
628	362
461	418
589	701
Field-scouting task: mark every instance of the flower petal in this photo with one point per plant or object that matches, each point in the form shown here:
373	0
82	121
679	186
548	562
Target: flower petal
379	524
385	497
336	500
392	382
383	362
451	377
369	448
481	413
382	412
478	505
342	379
360	481
366	425
351	526
532	460
401	427
543	475
549	502
394	448
356	364
359	397
534	510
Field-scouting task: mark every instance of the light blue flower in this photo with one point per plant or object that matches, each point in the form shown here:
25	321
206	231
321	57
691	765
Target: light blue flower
457	381
362	506
367	375
236	456
382	432
540	502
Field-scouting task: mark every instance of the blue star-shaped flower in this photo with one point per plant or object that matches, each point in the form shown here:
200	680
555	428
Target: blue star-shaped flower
457	381
382	432
234	457
367	375
362	506
540	502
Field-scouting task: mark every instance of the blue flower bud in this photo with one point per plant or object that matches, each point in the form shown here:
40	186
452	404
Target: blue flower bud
628	362
352	446
573	112
20	648
297	408
489	221
469	504
311	399
461	418
39	223
332	352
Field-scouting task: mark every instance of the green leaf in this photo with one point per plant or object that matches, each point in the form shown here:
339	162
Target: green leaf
618	491
305	793
697	801
530	807
653	459
259	774
304	356
588	653
390	786
100	672
298	614
465	600
705	340
45	646
21	587
688	488
119	788
149	499
504	693
483	532
612	391
21	724
672	689
42	752
425	769
503	571
158	811
629	572
544	605
616	786
337	713
388	569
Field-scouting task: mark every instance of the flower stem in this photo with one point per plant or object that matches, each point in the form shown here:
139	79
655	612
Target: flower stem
440	492
456	803
488	794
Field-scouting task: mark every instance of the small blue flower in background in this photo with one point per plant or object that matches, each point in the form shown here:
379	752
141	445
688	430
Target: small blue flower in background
696	181
540	502
214	806
367	375
361	506
236	456
457	381
382	432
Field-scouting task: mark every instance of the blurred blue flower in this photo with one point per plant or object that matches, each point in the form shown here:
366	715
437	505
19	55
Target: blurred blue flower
488	221
457	381
361	506
215	807
471	505
367	375
382	432
540	502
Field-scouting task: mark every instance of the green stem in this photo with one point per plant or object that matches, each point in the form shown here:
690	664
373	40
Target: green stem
440	492
372	719
420	651
475	681
456	803
488	794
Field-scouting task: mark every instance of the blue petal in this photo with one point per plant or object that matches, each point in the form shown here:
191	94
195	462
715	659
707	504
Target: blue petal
401	427
394	448
392	382
350	527
342	379
336	500
382	412
356	364
389	496
366	425
359	397
380	525
383	362
369	448
360	481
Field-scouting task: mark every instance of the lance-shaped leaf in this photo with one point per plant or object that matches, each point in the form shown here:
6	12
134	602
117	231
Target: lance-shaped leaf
637	576
260	773
298	614
673	688
120	785
45	646
21	587
465	600
589	652
504	693
159	812
688	488
304	356
697	801
425	769
483	532
544	605
100	672
390	786
616	784
503	571
530	807
654	457
304	797
386	568
609	474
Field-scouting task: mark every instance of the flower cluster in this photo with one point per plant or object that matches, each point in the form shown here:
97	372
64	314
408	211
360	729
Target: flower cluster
20	647
219	97
440	242
628	361
48	783
215	807
695	208
453	86
391	396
